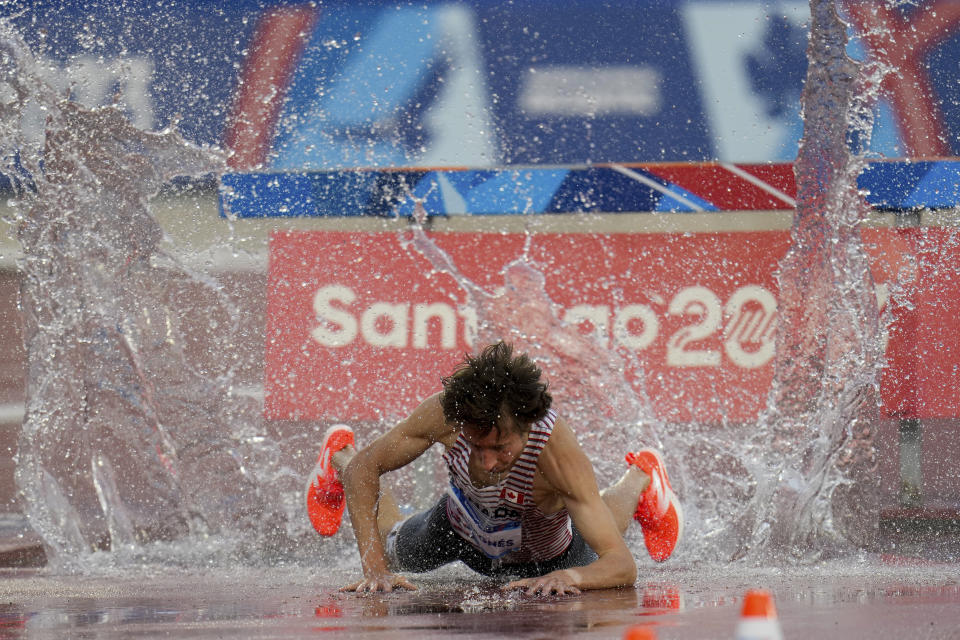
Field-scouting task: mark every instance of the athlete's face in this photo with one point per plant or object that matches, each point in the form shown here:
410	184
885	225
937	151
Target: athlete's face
496	451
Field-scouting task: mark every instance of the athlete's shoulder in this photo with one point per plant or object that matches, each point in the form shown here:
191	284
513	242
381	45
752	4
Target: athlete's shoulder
561	432
562	446
564	465
427	421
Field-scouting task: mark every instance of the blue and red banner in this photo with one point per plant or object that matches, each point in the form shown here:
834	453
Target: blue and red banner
372	83
610	188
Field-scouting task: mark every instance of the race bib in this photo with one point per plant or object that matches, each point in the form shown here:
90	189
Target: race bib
495	540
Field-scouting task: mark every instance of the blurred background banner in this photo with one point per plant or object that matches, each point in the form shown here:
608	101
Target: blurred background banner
339	84
360	321
601	188
355	317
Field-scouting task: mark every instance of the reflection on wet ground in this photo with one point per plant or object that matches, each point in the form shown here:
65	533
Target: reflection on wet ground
866	599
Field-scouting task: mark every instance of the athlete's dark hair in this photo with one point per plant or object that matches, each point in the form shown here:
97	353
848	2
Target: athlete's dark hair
492	384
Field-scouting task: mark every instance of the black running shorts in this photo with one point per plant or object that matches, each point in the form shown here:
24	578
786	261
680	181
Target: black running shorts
426	541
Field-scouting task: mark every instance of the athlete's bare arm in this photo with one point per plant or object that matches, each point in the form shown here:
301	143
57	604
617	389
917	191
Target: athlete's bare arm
567	469
361	482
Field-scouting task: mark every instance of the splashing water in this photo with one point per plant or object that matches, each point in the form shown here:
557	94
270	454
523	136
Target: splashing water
109	349
804	485
110	355
522	312
819	492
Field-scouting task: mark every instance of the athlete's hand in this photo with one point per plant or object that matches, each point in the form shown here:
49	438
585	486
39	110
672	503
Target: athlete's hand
560	583
385	582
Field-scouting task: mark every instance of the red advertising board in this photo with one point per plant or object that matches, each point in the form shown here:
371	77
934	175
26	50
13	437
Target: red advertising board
363	325
923	353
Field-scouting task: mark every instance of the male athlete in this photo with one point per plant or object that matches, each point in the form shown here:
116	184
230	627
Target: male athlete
522	502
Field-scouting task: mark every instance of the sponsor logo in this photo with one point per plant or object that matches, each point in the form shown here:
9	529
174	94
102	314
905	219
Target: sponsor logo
387	324
745	324
93	82
568	90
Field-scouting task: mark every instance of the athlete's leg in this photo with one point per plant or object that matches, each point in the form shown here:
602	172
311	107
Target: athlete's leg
658	510
622	496
388	513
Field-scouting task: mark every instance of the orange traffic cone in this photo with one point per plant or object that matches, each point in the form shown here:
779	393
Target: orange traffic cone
758	620
639	632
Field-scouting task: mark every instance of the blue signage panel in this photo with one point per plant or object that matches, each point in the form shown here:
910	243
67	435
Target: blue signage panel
437	83
482	84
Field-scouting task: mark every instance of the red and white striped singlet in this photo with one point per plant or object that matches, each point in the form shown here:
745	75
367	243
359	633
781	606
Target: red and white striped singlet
502	520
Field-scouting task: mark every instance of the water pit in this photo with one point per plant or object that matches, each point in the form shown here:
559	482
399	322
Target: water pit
140	462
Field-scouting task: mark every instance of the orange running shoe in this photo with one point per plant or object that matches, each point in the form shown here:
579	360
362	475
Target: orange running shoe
658	510
325	499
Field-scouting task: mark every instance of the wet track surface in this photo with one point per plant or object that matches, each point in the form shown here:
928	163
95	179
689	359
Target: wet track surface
853	599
